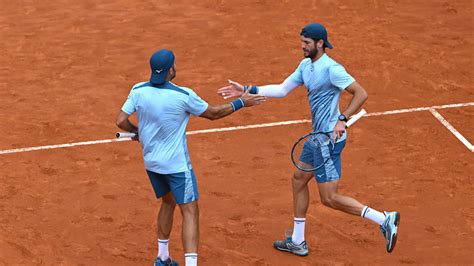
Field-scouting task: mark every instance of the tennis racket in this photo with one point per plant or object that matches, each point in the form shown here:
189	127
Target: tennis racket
317	141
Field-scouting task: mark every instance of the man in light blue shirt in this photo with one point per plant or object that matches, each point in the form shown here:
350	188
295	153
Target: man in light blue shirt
163	111
324	80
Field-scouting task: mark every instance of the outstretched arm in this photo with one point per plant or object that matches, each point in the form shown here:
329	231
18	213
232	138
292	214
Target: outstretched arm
220	111
275	90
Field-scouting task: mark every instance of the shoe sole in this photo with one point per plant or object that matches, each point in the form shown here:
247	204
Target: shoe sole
290	251
393	241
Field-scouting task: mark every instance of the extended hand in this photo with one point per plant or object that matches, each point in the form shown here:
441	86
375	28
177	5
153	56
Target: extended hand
252	99
233	90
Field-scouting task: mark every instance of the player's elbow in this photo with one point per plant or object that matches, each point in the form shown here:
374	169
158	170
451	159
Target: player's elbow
362	94
365	95
214	116
118	123
120	120
211	117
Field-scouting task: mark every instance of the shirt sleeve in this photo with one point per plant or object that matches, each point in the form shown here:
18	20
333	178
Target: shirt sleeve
195	105
339	77
297	76
129	106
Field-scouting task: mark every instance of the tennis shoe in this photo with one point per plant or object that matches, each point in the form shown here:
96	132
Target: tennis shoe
287	245
389	229
168	262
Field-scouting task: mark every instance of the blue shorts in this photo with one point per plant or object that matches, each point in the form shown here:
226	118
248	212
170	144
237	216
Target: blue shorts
182	185
331	171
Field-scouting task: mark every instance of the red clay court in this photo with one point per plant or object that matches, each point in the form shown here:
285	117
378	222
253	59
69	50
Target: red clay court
66	68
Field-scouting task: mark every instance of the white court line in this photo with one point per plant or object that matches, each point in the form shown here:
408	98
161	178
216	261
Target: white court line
248	126
212	130
452	129
48	147
410	110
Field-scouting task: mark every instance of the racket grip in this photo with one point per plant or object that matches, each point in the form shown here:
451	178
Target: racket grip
121	135
355	117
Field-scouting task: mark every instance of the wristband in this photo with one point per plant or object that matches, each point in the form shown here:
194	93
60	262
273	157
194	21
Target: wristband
237	104
253	89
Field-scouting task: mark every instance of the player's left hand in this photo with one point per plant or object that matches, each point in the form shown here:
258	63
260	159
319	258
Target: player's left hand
235	89
339	130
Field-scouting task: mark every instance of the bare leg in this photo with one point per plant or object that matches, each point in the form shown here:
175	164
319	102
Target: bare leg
332	199
301	192
296	243
190	213
165	216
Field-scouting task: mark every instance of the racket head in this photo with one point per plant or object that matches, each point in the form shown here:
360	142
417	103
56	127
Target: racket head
306	153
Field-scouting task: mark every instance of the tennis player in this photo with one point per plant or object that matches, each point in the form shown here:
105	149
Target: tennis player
163	111
324	80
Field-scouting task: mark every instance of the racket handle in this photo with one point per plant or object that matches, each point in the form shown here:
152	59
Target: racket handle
355	117
121	135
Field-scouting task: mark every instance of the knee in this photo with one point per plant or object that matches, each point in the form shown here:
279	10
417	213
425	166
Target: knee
190	209
299	180
329	200
169	200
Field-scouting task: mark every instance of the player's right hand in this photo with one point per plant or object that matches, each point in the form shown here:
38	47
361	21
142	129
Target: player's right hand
136	137
252	99
235	89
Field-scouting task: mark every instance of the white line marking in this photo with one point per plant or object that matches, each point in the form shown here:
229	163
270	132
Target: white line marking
248	126
452	129
48	147
420	109
212	130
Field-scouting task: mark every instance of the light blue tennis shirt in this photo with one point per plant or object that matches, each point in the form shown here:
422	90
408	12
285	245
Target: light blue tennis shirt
324	79
163	114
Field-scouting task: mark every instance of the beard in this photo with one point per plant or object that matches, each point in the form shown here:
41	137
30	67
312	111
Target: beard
311	53
172	74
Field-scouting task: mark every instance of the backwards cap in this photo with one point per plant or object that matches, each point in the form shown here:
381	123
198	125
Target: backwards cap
316	31
160	63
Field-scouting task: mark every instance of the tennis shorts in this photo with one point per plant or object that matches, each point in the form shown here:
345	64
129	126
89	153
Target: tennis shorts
331	171
182	185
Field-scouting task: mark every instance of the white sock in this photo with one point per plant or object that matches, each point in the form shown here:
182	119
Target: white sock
191	259
298	230
373	215
163	252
